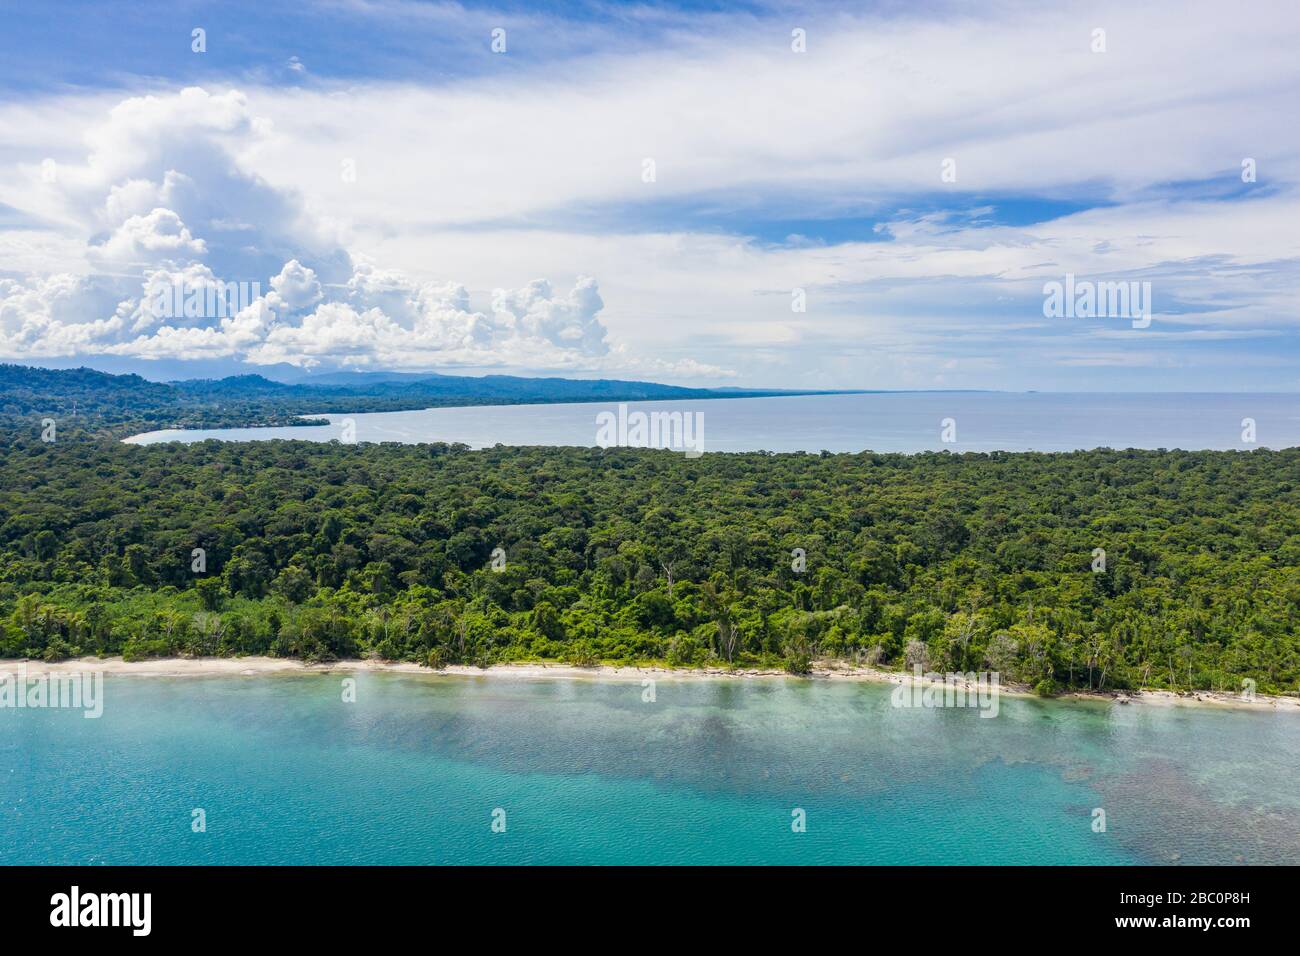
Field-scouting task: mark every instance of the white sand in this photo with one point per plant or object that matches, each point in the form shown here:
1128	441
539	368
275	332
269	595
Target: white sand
255	666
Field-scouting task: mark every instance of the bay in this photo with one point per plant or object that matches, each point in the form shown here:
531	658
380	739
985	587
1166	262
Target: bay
876	421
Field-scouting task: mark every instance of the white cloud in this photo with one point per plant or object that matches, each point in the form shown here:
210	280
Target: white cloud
296	285
493	181
183	151
158	236
389	322
568	322
47	315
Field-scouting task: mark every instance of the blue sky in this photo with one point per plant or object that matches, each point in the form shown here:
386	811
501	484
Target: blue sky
58	44
850	195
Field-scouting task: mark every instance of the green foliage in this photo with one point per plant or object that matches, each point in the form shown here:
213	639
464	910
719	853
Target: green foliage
84	399
210	593
958	562
798	659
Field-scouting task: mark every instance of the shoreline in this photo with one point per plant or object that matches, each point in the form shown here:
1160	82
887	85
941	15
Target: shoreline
260	666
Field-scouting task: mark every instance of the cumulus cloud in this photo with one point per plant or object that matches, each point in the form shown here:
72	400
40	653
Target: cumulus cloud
566	322
230	267
296	285
160	235
48	315
387	320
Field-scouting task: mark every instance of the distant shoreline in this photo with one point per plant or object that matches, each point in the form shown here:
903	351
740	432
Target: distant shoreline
844	422
262	666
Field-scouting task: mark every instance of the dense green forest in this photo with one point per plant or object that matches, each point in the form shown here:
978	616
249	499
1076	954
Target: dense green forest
87	400
957	561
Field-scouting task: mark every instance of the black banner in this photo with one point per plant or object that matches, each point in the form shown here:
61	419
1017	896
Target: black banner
334	905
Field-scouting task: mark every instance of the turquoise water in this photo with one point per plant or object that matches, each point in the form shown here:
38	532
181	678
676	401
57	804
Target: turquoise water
587	772
885	422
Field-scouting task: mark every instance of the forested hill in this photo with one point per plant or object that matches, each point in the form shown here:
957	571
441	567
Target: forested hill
959	562
85	399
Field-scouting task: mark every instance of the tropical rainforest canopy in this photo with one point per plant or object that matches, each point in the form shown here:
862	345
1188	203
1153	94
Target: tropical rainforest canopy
954	561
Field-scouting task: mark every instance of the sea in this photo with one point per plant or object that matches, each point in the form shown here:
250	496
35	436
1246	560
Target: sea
411	768
874	421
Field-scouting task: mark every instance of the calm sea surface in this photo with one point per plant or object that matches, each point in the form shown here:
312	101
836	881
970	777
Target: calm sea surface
891	421
586	772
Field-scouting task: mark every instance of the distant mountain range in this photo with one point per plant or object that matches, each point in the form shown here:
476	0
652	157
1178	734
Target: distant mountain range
98	398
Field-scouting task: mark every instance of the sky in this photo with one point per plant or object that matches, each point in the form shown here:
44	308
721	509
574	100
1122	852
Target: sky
868	195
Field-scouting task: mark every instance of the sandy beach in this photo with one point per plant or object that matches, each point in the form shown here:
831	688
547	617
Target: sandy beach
835	671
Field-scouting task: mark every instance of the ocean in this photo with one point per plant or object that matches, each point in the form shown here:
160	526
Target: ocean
879	421
419	769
